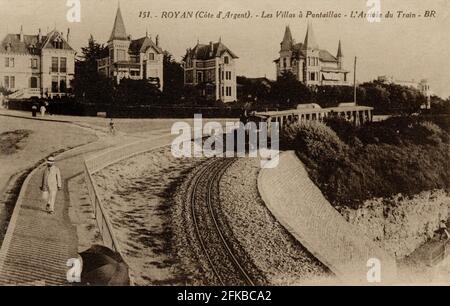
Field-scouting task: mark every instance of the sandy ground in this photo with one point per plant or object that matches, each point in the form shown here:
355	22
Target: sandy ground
280	258
43	139
138	196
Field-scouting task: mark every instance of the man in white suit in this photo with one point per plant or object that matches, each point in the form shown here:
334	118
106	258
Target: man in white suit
51	183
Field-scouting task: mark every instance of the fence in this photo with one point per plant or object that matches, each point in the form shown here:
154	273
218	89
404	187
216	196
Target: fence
102	160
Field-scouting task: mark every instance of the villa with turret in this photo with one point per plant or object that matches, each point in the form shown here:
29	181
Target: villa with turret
310	64
134	59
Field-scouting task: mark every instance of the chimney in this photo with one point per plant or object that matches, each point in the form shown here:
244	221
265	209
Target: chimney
21	34
68	35
211	48
40	35
157	40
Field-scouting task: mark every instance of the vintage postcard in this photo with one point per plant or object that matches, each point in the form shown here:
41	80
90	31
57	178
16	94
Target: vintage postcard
224	143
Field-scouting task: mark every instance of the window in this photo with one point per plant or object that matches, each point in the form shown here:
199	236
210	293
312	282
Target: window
312	76
54	64
63	84
9	82
55	84
120	55
63	65
228	93
284	63
228	75
223	72
34	63
33	82
9	62
226	60
151	56
199	77
223	91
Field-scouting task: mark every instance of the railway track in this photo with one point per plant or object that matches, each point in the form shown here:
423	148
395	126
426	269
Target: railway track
225	264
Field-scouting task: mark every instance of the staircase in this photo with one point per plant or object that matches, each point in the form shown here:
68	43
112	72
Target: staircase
25	93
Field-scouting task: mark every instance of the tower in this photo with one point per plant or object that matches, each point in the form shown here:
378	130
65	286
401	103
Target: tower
119	42
312	58
340	56
286	51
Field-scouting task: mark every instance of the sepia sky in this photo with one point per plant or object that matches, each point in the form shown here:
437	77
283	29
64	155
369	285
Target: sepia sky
405	48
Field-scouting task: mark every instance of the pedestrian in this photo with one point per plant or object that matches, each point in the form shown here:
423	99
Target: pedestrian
51	183
43	109
112	129
34	110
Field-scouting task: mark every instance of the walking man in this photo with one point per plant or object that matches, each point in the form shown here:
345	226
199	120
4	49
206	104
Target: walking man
51	183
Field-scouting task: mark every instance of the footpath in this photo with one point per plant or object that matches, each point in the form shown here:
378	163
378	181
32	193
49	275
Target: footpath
37	245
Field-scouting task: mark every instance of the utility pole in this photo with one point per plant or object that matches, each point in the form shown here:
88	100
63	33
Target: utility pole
354	82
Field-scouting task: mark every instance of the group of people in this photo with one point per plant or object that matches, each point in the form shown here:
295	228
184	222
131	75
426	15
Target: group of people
43	108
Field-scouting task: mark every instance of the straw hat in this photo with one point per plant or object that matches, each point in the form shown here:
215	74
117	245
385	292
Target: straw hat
51	160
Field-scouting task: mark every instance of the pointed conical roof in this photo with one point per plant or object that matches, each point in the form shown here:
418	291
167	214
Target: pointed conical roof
310	39
287	43
339	52
118	32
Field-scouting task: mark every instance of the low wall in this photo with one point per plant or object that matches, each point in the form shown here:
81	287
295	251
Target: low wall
302	209
401	225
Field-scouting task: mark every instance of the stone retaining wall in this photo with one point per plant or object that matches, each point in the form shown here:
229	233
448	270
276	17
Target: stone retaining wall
301	208
400	225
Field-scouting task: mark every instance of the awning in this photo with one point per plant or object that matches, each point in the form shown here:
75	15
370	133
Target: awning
329	76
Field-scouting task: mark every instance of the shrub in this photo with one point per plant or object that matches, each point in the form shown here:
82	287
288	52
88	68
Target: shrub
316	140
380	159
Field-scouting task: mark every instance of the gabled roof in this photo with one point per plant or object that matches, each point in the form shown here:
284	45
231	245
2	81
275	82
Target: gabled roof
55	36
324	56
31	43
141	45
119	32
206	52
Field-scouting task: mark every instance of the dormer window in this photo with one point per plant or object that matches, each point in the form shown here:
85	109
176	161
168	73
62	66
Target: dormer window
226	60
151	56
58	43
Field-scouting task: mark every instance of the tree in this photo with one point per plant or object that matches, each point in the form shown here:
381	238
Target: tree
288	91
89	85
173	79
254	90
136	92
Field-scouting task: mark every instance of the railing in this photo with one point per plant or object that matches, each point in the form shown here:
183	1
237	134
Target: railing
97	163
